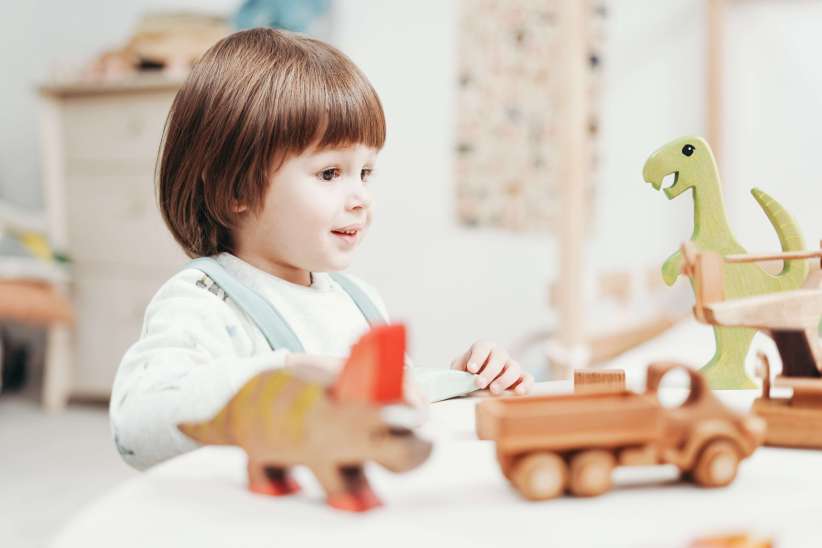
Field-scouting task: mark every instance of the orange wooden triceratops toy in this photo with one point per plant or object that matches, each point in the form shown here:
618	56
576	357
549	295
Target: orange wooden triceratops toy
283	418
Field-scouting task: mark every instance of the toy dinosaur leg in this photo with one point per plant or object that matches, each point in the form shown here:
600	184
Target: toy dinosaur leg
726	370
270	480
347	488
357	484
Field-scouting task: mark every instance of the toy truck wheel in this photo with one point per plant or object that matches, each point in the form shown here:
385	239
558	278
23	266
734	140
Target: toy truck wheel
716	465
591	473
540	476
506	463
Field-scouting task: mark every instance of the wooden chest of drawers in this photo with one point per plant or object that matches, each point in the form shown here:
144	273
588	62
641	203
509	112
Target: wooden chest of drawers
100	146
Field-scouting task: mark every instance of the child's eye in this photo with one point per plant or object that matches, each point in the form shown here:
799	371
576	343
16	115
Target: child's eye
366	173
329	174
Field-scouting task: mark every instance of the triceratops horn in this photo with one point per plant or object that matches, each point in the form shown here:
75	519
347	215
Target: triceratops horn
373	372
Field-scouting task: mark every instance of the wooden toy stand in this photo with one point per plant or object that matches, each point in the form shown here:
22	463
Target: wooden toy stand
791	319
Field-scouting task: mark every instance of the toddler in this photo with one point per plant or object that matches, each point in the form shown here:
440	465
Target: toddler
264	170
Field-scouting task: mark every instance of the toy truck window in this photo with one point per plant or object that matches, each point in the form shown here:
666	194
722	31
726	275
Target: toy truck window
675	388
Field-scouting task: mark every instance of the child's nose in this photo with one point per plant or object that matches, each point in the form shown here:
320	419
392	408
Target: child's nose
359	198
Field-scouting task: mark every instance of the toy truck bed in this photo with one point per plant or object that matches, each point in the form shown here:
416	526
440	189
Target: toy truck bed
794	421
557	423
789	425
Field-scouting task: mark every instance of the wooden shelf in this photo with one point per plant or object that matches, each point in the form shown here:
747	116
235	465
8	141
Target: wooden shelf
135	84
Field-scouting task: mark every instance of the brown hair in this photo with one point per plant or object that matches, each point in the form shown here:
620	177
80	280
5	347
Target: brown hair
254	99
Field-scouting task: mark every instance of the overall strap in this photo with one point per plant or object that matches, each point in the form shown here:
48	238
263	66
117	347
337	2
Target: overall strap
437	384
366	305
273	326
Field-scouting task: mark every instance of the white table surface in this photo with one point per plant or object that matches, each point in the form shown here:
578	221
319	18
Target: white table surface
459	497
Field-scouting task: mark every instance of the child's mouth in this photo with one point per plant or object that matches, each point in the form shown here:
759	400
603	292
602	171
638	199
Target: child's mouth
349	237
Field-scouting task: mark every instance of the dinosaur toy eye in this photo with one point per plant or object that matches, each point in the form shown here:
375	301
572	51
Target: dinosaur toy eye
687	150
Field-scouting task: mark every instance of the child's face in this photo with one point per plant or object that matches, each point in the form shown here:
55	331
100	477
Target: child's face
316	212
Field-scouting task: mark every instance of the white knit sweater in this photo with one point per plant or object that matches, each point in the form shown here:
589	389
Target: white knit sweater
197	348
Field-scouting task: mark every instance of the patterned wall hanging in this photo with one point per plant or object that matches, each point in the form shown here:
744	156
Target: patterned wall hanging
507	96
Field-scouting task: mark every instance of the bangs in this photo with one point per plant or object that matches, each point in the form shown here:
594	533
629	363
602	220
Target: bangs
334	105
353	114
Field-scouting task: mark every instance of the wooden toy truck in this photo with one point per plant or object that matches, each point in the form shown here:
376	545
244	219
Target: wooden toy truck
791	319
547	444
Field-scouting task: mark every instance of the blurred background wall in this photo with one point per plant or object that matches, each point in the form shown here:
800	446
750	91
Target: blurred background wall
456	284
47	38
773	122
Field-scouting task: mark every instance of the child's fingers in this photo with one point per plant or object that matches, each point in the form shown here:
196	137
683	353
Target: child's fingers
510	375
525	384
461	363
493	367
478	354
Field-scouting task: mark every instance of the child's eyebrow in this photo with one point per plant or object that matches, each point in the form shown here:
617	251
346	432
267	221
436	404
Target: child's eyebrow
339	155
327	152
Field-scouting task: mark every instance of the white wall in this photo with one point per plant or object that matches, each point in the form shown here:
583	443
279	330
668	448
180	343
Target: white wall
455	284
773	122
654	91
36	37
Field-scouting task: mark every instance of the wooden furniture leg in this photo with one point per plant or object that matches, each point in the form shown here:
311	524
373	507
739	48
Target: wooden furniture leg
57	377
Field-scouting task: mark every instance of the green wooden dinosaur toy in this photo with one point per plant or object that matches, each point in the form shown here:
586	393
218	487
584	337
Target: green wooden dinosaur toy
691	161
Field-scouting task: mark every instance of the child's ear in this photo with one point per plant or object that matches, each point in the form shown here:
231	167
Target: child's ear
237	207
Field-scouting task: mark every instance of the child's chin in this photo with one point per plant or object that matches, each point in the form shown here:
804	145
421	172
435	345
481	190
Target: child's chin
337	264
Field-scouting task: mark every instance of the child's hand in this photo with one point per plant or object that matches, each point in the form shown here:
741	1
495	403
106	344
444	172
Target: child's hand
494	368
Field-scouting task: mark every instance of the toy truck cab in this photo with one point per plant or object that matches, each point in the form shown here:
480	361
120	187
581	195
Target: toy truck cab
702	436
549	444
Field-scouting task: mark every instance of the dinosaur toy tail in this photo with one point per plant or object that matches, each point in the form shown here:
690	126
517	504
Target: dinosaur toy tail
211	432
794	272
